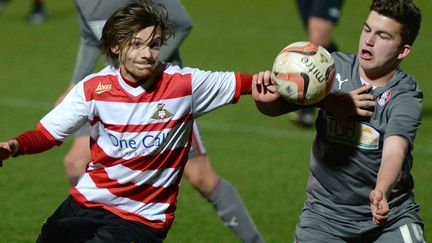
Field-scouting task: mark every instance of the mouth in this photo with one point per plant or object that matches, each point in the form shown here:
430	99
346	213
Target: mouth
366	54
144	65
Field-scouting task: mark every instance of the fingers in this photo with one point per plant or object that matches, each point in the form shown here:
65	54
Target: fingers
262	83
364	97
267	78
380	216
379	207
5	151
263	78
375	196
364	113
364	103
362	90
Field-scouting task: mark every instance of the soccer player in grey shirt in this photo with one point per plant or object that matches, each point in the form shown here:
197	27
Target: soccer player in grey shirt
360	188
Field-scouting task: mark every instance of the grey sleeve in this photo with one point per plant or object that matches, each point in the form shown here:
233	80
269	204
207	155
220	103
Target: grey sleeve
405	116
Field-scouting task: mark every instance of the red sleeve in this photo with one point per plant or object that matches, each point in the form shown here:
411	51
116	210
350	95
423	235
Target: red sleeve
243	85
33	142
246	83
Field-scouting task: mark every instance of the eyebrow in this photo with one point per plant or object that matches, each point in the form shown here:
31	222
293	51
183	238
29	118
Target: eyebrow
136	38
379	31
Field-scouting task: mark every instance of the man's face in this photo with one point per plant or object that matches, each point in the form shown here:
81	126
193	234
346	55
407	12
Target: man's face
139	57
380	48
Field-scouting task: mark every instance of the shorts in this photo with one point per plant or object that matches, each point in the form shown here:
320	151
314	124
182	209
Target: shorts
315	228
197	147
325	9
91	31
72	222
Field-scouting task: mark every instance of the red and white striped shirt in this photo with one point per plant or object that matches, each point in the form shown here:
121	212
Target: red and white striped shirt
139	138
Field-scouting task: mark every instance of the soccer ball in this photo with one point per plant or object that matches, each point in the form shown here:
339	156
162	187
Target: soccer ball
303	73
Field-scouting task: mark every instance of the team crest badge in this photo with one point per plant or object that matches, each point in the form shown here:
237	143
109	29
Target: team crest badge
384	98
161	113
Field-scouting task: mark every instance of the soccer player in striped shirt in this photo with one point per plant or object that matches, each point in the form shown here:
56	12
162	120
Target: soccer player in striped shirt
199	170
141	114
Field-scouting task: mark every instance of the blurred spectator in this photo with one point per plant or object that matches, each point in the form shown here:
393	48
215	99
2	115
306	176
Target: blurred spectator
38	12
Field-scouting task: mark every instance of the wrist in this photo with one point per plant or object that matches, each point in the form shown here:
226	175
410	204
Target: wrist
14	146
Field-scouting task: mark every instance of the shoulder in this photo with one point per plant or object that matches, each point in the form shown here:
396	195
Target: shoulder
345	63
177	73
175	69
102	79
406	88
406	81
343	58
405	98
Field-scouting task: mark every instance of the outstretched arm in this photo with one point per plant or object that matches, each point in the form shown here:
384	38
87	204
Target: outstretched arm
394	152
30	142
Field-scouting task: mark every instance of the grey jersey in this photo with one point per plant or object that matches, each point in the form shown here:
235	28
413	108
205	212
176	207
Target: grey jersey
345	161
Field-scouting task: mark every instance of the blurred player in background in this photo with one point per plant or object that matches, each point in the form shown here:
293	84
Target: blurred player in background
141	115
360	187
219	192
38	13
319	18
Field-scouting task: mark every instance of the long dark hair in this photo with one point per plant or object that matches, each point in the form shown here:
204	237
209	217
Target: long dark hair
130	19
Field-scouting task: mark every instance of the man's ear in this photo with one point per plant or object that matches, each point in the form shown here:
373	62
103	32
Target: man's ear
404	51
115	49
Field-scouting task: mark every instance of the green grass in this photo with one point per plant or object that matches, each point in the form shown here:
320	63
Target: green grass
265	158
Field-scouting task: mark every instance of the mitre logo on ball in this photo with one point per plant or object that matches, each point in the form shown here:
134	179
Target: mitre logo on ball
303	73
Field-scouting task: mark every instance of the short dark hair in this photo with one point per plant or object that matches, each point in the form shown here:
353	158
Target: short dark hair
130	19
403	11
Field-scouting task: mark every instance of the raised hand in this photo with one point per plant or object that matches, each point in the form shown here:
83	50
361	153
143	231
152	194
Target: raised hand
263	88
355	103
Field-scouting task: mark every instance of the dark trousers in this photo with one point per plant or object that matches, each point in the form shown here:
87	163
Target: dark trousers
73	223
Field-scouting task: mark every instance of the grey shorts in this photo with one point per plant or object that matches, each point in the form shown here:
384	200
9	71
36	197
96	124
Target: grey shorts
197	148
328	9
317	228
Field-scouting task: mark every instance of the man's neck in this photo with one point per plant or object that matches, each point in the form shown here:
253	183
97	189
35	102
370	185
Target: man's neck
377	80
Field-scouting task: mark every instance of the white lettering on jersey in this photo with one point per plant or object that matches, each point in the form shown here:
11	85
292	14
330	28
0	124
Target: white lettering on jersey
102	88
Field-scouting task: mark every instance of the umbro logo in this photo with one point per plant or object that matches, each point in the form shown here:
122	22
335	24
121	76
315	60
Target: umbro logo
102	88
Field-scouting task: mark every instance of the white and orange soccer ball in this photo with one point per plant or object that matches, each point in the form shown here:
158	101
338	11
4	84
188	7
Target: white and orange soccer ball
303	73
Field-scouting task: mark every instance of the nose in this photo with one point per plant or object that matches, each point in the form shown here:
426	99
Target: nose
370	40
146	52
